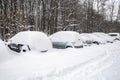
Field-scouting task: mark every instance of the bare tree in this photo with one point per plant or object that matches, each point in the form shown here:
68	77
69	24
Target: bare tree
112	8
54	15
118	14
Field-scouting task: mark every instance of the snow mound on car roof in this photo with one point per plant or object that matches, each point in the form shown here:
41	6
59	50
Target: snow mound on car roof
36	40
86	37
65	36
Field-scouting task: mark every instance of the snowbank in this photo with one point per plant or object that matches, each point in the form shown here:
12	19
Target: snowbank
4	55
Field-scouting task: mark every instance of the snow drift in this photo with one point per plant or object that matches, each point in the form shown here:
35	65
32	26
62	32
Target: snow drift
4	54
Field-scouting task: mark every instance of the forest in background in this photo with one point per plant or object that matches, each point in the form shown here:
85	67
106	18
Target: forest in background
51	16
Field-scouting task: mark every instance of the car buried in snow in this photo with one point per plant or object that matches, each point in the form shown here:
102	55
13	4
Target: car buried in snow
96	38
105	38
29	40
66	39
116	36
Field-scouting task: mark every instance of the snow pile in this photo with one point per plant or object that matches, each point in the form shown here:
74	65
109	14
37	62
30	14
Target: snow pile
36	40
4	55
65	36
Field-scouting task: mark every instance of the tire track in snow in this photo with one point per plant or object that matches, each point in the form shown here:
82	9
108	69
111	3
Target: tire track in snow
80	71
84	71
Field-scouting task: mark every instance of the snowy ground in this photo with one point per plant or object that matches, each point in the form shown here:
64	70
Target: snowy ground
97	62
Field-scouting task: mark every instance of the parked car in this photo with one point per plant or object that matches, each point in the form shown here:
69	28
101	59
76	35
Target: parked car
66	39
88	39
96	38
105	37
29	40
116	36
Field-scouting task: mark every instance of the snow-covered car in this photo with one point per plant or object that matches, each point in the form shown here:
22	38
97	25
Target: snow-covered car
65	39
29	40
105	38
116	36
96	38
88	39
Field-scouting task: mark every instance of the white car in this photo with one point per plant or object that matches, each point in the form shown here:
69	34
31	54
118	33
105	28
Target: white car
65	39
30	40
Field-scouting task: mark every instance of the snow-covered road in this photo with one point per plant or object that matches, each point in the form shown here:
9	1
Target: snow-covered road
97	62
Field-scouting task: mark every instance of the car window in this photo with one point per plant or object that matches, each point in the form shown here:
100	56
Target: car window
113	34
